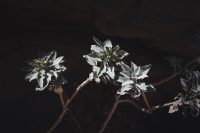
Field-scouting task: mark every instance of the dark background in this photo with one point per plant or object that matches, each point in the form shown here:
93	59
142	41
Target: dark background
149	30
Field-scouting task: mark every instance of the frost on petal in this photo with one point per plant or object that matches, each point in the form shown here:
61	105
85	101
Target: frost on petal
102	70
97	41
49	77
127	82
54	55
125	67
142	76
90	60
41	88
107	44
41	82
57	61
95	55
97	80
96	48
121	79
95	69
122	54
111	72
42	72
54	73
143	72
124	89
136	72
33	76
126	74
133	66
142	86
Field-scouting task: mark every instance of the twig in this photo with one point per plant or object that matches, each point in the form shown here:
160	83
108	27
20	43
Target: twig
153	108
62	100
76	121
114	107
196	60
66	105
58	120
138	107
146	101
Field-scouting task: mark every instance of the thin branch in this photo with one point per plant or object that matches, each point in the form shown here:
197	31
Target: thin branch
66	105
80	87
58	120
138	107
76	121
114	107
144	109
61	99
196	60
146	101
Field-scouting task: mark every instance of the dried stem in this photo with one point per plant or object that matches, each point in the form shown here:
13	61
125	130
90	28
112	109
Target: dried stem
144	109
114	107
138	107
61	99
146	101
66	105
58	120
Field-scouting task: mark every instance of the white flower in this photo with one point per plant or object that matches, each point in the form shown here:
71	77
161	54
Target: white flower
103	58
129	79
45	69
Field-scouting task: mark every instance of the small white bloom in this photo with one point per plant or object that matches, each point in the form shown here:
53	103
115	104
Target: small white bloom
45	69
103	59
130	76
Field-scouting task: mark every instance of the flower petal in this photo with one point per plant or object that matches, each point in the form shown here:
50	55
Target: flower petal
124	89
111	72
107	44
127	82
121	79
125	67
57	61
96	48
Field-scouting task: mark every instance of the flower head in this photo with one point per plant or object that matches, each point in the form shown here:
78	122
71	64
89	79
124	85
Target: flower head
130	77
45	70
190	98
103	59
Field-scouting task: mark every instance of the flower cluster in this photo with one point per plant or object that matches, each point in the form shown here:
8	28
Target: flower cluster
190	98
103	59
45	70
108	65
130	77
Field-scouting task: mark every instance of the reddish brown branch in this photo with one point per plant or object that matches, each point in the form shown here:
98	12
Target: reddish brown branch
114	107
66	105
146	101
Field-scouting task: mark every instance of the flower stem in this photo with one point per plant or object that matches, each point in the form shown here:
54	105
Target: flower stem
61	99
114	107
58	120
66	105
146	101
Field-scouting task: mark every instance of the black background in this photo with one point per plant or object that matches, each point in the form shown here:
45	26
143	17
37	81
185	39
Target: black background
33	27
